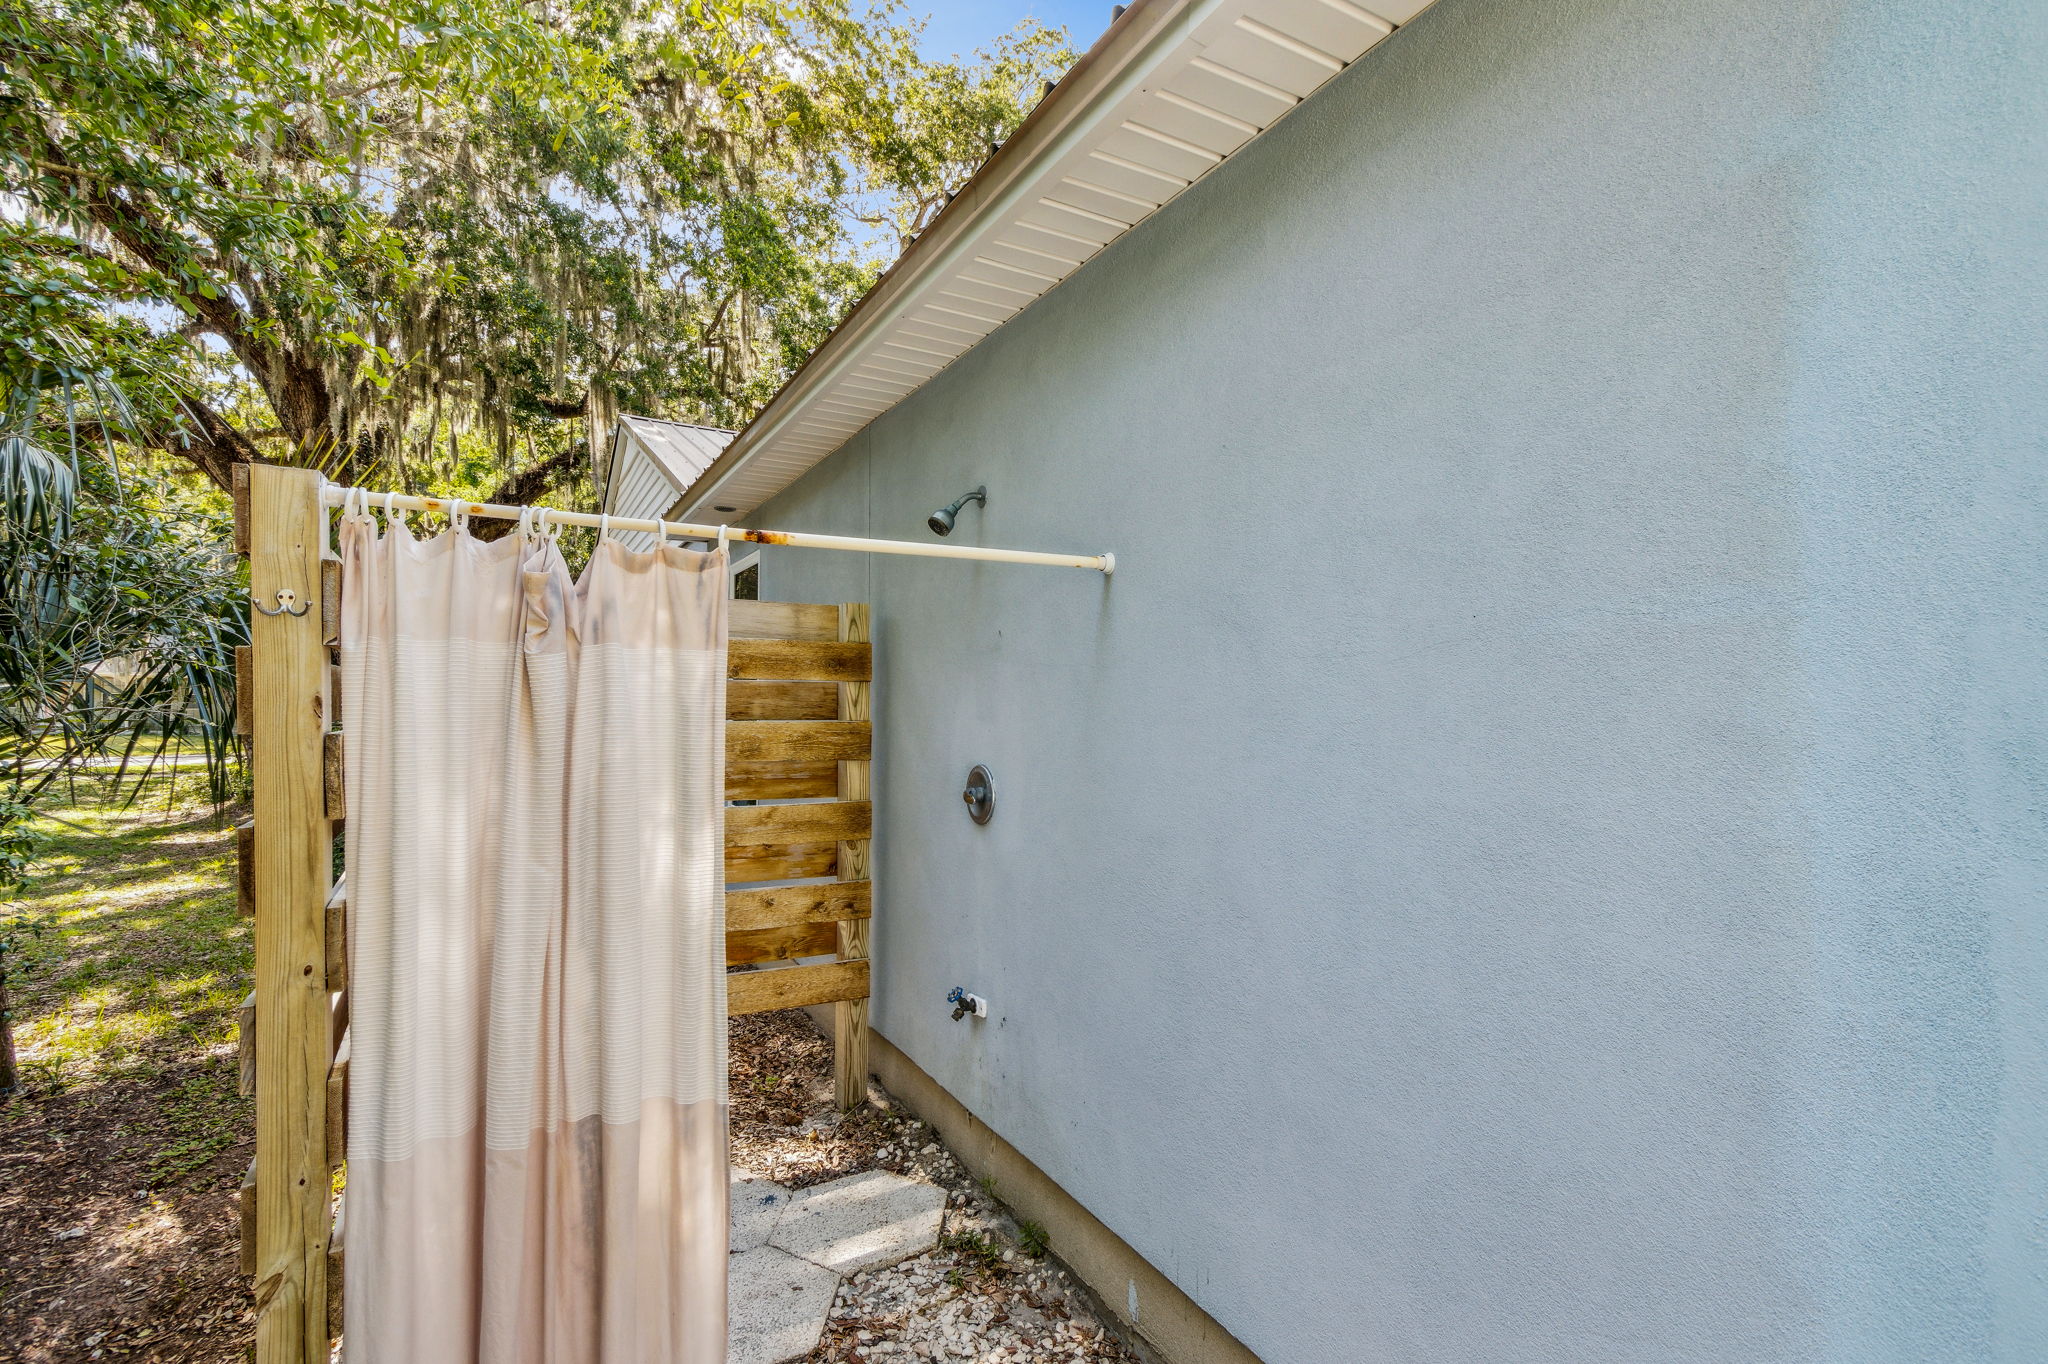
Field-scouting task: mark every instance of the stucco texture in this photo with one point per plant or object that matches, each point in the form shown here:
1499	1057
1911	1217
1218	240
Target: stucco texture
1538	852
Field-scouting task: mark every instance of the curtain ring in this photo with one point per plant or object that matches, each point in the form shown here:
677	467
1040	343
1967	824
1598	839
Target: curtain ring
525	524
721	538
458	518
390	515
660	534
604	527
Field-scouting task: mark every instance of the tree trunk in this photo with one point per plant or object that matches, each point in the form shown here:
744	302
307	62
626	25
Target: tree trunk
7	1072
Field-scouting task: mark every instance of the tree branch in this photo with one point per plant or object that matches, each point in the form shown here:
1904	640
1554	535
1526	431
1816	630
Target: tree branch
564	408
298	392
525	488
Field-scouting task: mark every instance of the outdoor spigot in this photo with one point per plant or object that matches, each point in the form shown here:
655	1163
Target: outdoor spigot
965	1004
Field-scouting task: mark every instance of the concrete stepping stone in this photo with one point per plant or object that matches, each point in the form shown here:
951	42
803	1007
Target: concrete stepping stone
863	1221
756	1203
778	1305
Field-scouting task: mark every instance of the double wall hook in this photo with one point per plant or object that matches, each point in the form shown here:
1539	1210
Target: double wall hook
286	600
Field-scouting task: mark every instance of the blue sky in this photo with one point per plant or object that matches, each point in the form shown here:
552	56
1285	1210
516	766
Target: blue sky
959	26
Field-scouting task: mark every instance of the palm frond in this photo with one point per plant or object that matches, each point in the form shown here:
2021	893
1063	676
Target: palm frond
37	490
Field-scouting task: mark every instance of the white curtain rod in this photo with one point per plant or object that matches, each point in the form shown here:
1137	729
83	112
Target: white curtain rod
334	494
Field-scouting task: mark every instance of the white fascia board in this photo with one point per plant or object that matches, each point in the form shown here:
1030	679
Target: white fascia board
1086	170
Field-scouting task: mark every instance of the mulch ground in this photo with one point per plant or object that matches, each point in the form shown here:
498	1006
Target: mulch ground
783	1124
99	1264
119	1230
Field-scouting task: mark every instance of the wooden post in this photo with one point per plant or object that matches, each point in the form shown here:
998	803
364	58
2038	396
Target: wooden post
287	530
850	1016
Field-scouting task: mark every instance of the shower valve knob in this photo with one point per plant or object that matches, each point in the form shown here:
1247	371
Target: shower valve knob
980	795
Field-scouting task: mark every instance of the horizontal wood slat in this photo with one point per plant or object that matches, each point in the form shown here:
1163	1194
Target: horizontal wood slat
788	741
245	1047
332	765
781	862
337	937
799	660
247	1199
337	1108
337	1023
238	494
245	699
781	944
330	602
781	781
833	821
781	620
335	1267
794	987
785	906
782	701
245	867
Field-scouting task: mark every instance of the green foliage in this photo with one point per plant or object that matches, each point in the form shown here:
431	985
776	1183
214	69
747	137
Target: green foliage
118	624
390	228
978	1253
203	1117
20	842
1033	1239
129	955
65	358
37	490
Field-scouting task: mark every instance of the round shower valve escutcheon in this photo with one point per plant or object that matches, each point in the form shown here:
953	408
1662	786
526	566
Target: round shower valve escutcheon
980	795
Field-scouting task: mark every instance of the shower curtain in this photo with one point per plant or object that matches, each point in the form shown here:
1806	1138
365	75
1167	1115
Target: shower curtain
536	1137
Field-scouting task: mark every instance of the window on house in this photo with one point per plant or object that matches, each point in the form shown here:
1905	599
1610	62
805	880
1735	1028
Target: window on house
746	578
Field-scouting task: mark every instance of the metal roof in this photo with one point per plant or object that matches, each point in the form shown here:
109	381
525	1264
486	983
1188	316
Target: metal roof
651	462
1171	90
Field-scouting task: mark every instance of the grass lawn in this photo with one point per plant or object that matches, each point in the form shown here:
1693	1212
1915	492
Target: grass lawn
120	1160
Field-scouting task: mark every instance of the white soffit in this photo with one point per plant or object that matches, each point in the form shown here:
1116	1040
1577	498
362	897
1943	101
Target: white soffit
1210	76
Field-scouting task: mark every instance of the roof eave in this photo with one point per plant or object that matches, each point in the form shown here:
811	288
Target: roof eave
1150	101
1126	40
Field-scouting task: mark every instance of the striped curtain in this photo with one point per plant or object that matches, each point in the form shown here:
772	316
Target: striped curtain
536	1136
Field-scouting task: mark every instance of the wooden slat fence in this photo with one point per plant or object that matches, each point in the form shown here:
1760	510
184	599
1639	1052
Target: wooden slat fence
797	730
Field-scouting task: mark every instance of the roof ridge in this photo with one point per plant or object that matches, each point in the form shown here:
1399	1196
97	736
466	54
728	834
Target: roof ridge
670	421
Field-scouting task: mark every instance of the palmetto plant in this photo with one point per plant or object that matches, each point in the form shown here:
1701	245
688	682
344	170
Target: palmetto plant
119	616
120	610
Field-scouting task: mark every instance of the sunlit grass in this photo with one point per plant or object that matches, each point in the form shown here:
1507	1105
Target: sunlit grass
133	956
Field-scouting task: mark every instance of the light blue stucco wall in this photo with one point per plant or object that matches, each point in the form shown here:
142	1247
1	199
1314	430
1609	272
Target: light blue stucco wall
1539	853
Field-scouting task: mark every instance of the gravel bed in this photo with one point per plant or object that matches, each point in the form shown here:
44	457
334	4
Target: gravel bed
992	1293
